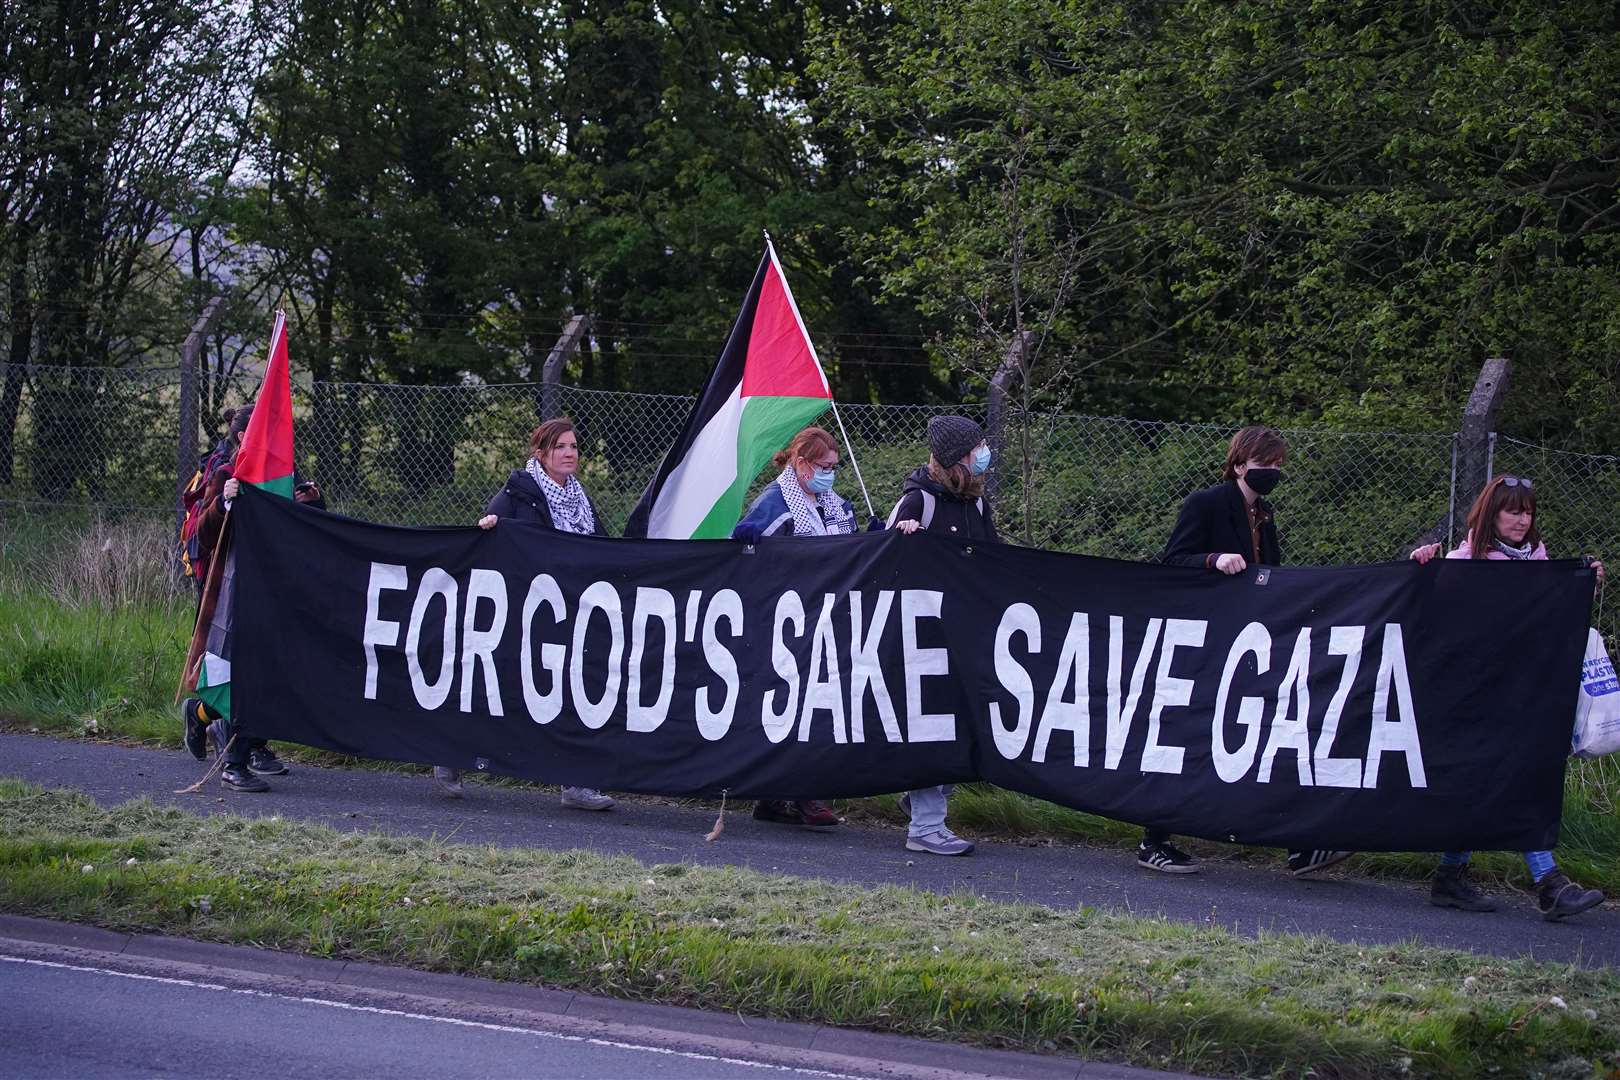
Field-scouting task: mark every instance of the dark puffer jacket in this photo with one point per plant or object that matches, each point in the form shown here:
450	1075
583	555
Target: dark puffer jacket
953	516
521	499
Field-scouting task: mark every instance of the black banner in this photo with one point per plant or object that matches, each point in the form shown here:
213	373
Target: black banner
1388	707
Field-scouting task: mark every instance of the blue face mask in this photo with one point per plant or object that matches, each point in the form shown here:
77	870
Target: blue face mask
981	460
821	480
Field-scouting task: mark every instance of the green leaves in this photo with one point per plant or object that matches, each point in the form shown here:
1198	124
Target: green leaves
1323	213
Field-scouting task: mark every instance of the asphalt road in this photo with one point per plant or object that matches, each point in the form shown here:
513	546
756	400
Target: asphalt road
88	1021
1247	899
78	1001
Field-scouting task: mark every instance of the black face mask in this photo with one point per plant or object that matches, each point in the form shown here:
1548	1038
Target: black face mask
1262	481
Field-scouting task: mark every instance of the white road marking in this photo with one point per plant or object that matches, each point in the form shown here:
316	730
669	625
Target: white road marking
379	1011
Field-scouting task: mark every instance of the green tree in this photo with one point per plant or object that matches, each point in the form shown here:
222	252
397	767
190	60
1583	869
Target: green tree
1310	212
111	113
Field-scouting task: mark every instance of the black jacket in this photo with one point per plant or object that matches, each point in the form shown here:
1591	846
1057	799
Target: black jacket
1215	522
522	500
953	516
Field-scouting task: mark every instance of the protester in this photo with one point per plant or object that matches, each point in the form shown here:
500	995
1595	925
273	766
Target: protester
946	496
245	761
194	717
1228	528
1502	528
799	502
545	492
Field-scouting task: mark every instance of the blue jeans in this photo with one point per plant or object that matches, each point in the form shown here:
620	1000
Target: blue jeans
1541	863
928	810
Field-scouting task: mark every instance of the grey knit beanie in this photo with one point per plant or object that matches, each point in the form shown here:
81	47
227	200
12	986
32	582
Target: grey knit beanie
950	437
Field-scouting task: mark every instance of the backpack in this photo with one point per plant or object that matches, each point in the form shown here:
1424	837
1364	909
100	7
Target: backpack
192	560
926	518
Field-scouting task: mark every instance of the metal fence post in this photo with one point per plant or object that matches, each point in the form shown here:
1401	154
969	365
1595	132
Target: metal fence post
1001	384
185	456
550	403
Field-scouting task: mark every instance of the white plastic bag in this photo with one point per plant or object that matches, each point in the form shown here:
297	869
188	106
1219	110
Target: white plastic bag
1597	713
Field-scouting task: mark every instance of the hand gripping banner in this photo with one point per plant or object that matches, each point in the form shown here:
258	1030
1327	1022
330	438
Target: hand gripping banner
1372	708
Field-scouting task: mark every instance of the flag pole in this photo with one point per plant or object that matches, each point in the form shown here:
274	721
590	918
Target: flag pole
858	478
848	446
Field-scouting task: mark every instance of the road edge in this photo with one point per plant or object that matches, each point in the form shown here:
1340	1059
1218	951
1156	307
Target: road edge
812	1045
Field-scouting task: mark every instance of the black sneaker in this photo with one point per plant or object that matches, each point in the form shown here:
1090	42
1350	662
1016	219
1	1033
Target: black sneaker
1452	888
1559	898
196	730
1301	863
1166	858
263	761
779	811
241	778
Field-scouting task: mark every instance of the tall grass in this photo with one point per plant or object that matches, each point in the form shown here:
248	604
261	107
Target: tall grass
114	565
93	625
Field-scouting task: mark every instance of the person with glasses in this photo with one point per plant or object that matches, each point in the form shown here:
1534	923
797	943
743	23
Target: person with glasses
799	502
1226	529
945	496
1502	528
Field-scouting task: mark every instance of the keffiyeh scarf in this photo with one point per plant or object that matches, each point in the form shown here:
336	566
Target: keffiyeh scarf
830	521
570	509
1522	552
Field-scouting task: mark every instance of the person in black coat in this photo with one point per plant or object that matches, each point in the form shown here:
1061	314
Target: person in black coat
1229	528
945	496
544	492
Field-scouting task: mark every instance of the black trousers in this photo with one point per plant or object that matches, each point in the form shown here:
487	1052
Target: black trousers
239	749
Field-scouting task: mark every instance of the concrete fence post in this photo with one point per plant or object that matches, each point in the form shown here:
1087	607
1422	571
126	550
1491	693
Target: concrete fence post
1476	440
550	404
995	432
185	457
1472	451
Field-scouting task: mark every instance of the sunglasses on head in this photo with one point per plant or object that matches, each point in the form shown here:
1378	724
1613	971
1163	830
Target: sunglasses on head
1517	481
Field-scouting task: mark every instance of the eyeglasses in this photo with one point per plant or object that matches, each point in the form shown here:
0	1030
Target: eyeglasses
1517	481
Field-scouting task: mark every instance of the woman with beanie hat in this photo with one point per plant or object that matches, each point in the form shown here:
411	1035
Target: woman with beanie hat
945	496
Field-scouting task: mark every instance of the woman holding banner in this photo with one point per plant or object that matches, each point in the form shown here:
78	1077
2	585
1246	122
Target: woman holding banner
799	502
1502	528
545	492
1228	528
947	496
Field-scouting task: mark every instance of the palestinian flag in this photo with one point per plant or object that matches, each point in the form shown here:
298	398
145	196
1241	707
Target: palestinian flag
266	457
265	460
767	385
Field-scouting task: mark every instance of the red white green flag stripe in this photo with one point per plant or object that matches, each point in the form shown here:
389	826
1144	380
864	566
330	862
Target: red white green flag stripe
266	457
766	386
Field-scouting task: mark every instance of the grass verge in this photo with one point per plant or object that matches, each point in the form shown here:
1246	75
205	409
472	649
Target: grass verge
1144	991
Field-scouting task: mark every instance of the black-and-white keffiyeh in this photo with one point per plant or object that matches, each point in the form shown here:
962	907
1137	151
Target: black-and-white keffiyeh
832	520
570	509
1523	551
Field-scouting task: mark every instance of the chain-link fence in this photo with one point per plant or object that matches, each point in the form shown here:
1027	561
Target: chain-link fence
105	440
